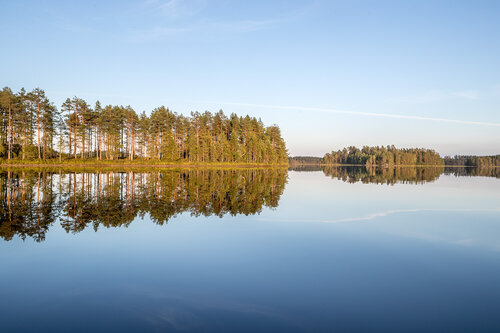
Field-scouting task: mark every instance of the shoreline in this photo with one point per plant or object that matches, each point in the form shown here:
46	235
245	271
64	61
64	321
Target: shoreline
130	165
396	165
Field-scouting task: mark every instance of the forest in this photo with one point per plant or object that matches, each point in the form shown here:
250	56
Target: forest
474	161
390	156
304	160
33	128
383	156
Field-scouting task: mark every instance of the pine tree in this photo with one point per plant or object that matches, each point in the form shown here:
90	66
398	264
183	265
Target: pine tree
32	127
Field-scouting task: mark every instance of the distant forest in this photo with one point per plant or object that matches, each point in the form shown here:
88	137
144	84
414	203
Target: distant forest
477	161
383	156
391	156
31	127
304	160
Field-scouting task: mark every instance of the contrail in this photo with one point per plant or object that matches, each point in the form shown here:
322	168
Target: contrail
368	114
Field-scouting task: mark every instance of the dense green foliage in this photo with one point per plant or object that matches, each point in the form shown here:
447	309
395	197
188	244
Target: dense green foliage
32	201
31	127
476	161
383	156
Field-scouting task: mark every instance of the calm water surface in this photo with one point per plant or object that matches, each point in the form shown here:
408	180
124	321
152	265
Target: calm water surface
250	250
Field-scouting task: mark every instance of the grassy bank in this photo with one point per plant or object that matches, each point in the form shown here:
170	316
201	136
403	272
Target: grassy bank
129	164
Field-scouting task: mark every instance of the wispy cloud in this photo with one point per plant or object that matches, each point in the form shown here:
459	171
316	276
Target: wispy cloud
181	18
206	27
368	114
66	23
438	96
176	9
468	94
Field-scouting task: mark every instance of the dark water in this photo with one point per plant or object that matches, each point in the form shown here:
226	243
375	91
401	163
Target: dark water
338	249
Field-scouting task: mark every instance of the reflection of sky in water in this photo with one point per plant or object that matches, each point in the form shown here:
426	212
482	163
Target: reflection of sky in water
402	257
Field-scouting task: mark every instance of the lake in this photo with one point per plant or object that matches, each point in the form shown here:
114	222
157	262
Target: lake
332	249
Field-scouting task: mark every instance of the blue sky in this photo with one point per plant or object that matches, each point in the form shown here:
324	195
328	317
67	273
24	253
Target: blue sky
409	73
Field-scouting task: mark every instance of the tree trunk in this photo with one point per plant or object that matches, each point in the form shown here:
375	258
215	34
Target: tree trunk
76	130
60	148
38	129
24	142
131	144
91	152
83	136
70	143
9	153
197	143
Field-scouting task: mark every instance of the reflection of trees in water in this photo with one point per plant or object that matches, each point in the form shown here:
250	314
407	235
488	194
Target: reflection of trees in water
26	207
305	168
389	176
32	201
474	171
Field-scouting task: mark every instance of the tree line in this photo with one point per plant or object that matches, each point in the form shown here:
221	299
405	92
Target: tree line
383	156
390	156
32	127
474	161
304	160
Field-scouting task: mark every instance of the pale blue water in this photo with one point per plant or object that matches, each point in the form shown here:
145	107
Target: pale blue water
332	256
